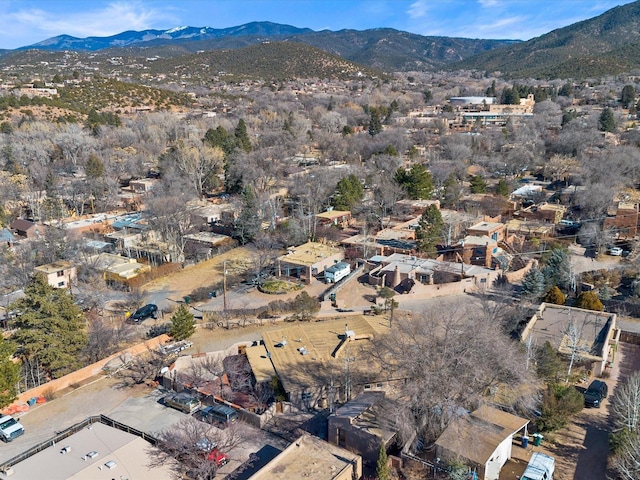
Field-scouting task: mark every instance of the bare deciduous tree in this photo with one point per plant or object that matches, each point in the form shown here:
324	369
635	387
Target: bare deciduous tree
189	448
449	360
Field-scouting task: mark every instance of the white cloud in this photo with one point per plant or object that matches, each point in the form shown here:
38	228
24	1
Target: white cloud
112	18
418	9
488	3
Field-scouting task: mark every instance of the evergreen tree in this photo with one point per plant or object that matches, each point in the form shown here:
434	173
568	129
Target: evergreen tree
417	182
566	90
242	137
628	96
382	467
607	121
183	325
557	269
248	224
589	301
502	188
375	122
429	232
478	185
555	296
9	373
50	330
533	285
94	167
548	363
349	193
221	139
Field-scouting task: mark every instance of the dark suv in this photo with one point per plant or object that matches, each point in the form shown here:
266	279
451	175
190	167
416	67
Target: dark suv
596	392
145	312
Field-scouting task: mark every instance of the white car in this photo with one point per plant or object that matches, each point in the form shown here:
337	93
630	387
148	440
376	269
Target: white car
615	251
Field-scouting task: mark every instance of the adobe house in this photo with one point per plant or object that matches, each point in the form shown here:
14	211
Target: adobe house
356	426
339	218
623	220
493	230
60	274
590	334
482	439
25	228
308	260
310	457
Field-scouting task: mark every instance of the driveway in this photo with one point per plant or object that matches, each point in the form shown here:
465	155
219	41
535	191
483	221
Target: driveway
581	449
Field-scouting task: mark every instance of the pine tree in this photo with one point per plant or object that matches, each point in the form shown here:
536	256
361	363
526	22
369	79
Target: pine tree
533	284
50	330
429	231
382	467
478	185
628	96
557	269
417	181
349	192
94	167
242	137
183	324
9	373
607	121
502	188
375	122
248	224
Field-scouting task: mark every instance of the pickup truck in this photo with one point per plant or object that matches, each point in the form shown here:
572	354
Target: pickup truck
10	428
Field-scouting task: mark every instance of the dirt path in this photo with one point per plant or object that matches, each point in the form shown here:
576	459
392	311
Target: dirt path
581	449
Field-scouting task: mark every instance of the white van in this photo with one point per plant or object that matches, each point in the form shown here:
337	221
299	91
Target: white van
541	467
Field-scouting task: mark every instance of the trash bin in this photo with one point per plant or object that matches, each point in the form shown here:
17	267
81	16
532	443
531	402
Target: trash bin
525	442
537	439
187	300
32	401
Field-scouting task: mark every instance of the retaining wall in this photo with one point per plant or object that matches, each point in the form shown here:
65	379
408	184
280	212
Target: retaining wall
88	371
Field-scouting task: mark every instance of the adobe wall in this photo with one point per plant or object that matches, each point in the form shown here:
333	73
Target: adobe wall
518	275
88	371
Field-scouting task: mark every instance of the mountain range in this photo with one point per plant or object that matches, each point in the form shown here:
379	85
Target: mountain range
606	44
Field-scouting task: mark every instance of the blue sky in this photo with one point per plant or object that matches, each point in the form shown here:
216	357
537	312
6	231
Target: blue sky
24	22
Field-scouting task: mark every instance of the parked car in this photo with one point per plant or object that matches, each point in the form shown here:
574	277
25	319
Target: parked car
594	395
221	415
615	251
10	428
540	467
183	401
211	451
149	310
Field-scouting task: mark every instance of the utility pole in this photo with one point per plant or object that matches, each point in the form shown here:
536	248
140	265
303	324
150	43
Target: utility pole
224	285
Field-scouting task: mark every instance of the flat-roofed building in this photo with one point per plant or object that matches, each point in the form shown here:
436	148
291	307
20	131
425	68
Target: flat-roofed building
590	334
95	452
313	459
309	259
60	274
306	357
356	426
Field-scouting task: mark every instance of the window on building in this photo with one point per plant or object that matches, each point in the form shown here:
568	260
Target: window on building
60	273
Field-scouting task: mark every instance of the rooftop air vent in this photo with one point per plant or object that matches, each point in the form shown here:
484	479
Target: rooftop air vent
111	464
92	454
65	450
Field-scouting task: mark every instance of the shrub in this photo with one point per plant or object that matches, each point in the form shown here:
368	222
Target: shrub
559	403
